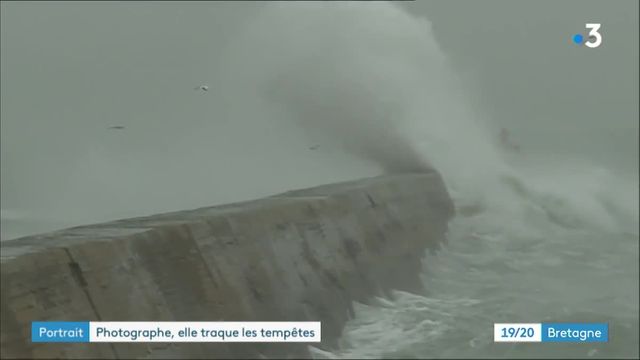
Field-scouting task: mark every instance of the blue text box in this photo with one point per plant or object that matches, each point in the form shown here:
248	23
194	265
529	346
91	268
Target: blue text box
575	332
60	331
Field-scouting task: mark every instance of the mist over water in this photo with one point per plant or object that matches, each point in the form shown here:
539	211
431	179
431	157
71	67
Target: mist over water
309	93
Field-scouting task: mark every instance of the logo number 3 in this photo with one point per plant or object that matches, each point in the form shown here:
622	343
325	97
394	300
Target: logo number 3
594	35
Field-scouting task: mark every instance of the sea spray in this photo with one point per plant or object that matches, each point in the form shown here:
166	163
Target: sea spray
367	78
371	79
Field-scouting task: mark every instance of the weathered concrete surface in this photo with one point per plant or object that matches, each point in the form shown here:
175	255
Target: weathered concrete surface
301	255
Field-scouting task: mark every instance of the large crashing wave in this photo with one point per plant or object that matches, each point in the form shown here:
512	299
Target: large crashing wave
366	77
371	79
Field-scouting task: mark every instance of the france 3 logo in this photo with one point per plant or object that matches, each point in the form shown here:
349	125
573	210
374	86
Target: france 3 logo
594	38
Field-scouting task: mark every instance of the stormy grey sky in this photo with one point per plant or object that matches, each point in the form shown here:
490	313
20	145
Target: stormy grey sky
69	70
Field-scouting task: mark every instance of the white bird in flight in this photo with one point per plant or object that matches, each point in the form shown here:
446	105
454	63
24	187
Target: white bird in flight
202	87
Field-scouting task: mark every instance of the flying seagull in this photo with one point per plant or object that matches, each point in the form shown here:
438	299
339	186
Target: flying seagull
202	87
314	147
117	127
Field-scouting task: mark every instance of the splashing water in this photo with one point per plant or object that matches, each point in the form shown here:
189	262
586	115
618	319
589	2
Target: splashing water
551	242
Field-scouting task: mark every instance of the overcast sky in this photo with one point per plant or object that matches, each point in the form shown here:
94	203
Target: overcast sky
69	70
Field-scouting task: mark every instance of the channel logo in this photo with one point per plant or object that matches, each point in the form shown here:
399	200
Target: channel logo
594	38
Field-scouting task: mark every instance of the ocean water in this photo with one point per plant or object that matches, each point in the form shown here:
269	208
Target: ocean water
550	263
547	234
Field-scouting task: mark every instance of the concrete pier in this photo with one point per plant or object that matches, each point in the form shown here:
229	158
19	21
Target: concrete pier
304	255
